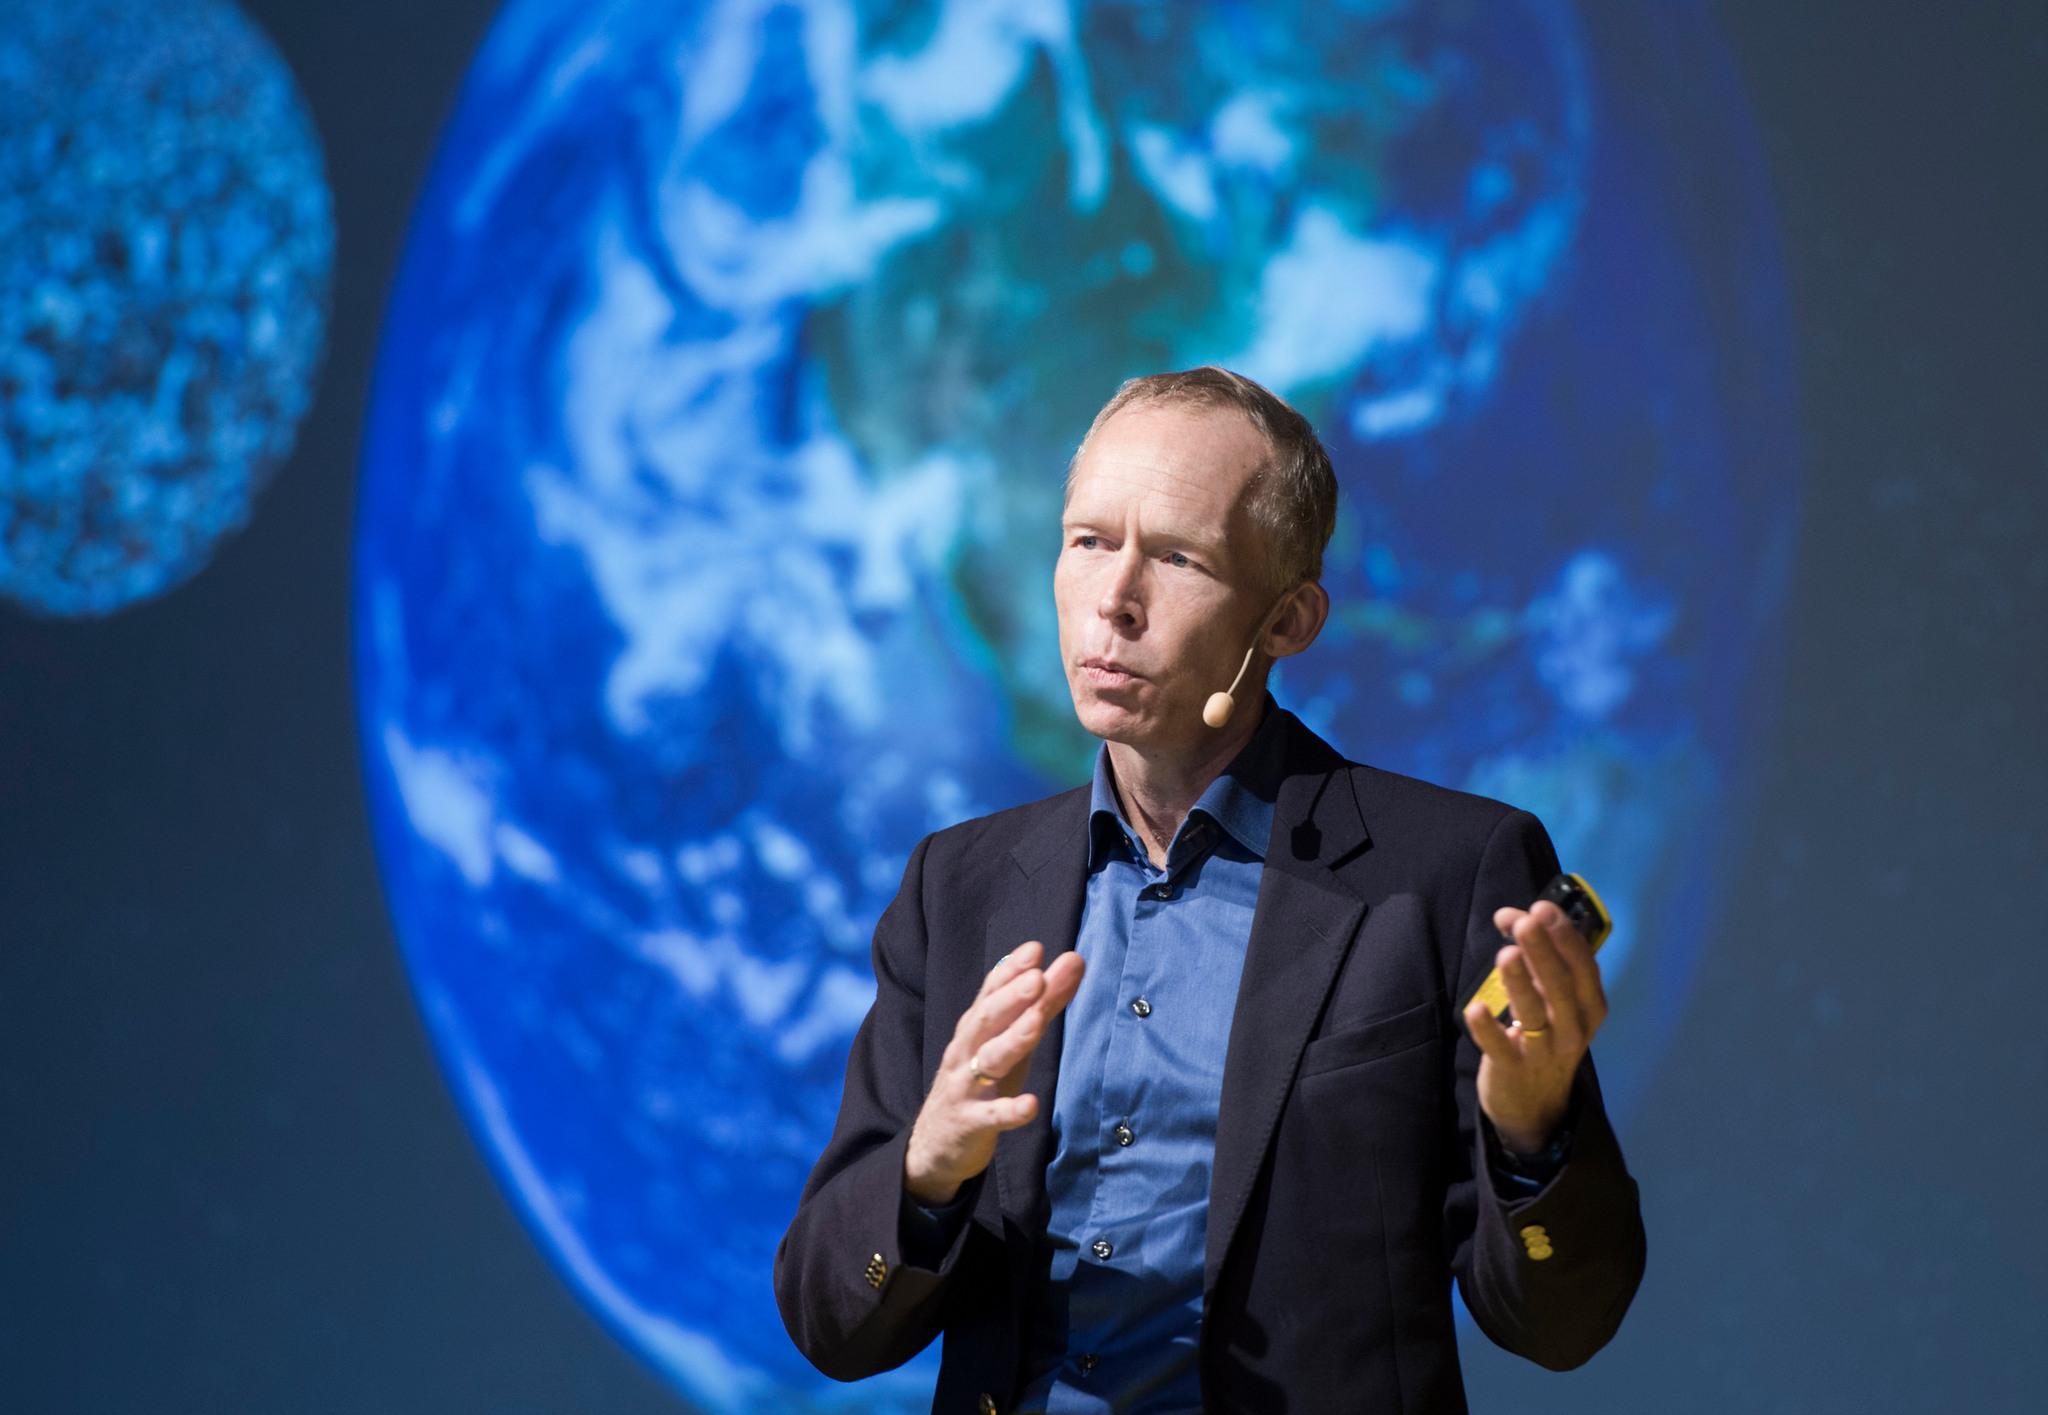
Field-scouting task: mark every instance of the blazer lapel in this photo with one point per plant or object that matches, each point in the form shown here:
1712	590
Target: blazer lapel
1304	922
1043	903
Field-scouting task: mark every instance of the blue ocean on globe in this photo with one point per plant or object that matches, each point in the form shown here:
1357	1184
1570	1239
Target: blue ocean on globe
710	500
166	247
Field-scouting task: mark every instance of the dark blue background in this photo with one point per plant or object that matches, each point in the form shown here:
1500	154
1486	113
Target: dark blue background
231	1177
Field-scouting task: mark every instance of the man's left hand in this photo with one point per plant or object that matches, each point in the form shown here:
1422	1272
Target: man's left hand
1526	1069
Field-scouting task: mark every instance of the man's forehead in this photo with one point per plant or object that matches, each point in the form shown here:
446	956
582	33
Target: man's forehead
1113	481
1194	462
1178	508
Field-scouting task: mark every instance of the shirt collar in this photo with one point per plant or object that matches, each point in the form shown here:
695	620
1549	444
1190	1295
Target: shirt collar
1240	799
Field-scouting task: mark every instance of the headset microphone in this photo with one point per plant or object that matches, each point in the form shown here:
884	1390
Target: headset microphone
1216	712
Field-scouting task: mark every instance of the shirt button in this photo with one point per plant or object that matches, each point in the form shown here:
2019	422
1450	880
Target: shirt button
1101	1248
1142	1007
1163	891
1123	1134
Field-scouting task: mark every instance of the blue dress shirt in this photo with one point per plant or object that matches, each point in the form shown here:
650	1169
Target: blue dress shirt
1119	1318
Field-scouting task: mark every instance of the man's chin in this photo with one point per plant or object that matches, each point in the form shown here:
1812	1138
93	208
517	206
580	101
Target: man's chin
1120	716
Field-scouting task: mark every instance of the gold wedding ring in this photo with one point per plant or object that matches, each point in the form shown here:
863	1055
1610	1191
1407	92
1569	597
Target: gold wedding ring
974	1065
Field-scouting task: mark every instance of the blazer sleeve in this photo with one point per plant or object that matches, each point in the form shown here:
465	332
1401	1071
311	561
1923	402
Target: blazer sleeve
851	1301
1558	1309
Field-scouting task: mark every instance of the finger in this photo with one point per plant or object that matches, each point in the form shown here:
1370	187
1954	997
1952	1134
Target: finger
1020	1038
1024	955
1003	1112
1578	956
1005	1053
1062	981
1491	1037
1563	942
1523	998
1555	988
1552	981
994	1012
1547	971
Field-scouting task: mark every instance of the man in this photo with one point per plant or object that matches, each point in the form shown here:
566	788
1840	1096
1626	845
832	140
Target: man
1162	1104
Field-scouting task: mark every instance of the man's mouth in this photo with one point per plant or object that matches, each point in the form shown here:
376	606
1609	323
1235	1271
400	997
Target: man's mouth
1107	673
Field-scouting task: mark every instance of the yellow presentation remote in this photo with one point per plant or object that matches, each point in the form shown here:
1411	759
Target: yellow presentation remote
1582	906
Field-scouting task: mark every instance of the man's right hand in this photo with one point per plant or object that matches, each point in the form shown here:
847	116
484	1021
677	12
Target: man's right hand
954	1135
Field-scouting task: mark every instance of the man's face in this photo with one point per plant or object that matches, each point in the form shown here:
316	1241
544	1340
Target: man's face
1158	587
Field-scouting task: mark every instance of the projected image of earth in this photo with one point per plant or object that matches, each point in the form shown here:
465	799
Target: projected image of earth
710	503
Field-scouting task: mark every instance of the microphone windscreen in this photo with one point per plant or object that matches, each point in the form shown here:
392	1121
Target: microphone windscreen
1217	710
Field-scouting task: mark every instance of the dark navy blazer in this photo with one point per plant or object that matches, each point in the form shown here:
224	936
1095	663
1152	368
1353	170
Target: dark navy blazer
1349	1184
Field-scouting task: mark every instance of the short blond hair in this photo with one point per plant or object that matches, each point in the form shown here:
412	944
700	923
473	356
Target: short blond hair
1292	499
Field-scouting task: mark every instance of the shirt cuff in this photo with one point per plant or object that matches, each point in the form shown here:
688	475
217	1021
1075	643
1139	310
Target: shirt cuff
927	1234
1523	1176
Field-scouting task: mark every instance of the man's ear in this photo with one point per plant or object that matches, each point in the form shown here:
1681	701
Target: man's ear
1301	618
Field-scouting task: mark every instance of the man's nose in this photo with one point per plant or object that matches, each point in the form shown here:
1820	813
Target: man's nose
1122	601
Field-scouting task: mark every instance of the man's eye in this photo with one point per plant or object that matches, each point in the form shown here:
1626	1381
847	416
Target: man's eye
1178	559
1085	542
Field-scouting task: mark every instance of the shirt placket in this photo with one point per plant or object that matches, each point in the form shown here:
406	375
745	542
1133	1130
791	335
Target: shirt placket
1110	1206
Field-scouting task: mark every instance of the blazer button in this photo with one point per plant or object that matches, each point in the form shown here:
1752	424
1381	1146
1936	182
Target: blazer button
987	1404
877	1271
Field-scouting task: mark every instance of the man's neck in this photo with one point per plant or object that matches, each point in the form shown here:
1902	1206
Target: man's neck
1157	789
